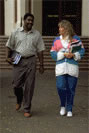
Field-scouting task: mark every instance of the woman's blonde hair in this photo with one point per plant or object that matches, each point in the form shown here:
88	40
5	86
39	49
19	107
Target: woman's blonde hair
68	26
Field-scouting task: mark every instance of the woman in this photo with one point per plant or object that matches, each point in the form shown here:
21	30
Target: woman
67	50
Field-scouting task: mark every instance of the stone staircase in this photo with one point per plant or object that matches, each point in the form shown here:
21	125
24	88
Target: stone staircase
49	64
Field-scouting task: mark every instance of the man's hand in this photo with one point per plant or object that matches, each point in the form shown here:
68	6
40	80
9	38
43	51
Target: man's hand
8	55
41	69
69	55
9	60
40	56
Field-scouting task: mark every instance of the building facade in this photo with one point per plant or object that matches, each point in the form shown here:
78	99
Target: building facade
47	15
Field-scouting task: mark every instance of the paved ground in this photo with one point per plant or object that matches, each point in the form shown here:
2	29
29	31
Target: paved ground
45	107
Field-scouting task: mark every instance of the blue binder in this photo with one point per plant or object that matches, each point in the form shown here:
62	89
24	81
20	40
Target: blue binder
16	57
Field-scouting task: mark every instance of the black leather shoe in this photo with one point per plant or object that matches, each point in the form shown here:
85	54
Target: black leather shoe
18	106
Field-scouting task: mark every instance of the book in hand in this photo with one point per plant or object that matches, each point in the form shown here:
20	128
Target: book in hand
16	57
75	46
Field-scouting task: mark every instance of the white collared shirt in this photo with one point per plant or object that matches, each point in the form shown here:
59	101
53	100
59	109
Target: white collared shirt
65	42
26	43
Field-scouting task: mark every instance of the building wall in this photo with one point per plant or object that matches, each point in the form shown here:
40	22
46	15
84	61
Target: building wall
85	18
36	9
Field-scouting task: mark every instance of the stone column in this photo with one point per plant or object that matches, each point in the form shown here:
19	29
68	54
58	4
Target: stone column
14	11
9	16
20	11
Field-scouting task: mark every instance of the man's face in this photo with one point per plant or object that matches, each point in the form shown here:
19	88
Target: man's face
28	23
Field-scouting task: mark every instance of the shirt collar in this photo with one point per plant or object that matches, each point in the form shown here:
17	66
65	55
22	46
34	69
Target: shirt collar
22	29
67	38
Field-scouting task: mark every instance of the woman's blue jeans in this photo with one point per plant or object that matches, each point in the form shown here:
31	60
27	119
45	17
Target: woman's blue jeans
66	85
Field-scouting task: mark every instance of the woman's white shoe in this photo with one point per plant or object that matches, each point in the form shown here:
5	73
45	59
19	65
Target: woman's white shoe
69	114
62	111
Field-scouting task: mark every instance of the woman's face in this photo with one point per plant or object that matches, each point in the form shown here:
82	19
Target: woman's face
62	30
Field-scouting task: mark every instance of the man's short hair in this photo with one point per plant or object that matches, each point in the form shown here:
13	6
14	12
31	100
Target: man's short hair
27	15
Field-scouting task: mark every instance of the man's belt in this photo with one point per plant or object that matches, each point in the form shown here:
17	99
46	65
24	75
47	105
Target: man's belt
27	57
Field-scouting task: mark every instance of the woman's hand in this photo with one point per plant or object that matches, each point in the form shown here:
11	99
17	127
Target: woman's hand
69	55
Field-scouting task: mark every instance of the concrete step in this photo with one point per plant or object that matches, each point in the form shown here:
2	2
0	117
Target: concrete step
49	63
46	63
45	67
49	59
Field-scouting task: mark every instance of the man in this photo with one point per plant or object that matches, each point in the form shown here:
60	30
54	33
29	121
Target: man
26	42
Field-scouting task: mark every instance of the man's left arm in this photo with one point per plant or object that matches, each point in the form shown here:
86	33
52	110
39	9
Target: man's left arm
40	49
41	60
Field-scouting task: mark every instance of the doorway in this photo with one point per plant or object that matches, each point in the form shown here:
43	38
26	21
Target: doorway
57	10
1	17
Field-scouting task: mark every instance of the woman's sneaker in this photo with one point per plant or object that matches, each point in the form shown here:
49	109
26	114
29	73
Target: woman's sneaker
62	111
69	114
